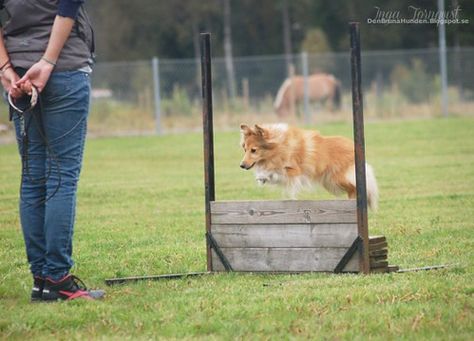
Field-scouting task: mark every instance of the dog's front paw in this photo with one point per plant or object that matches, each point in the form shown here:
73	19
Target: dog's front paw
261	180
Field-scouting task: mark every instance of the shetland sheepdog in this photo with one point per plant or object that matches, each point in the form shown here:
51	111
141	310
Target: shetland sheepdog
297	159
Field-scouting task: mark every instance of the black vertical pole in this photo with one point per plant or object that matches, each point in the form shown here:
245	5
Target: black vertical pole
208	134
359	144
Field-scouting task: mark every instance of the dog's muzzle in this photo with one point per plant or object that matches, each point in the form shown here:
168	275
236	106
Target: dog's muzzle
244	166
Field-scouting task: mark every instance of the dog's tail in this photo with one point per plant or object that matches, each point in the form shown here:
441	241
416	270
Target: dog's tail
372	188
371	183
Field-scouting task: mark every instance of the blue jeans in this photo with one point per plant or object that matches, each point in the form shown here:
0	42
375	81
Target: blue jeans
51	173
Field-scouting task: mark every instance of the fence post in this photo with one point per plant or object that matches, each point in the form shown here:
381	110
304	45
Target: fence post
156	92
304	67
291	72
246	93
442	59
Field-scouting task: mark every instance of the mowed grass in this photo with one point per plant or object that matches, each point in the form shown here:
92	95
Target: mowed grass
141	211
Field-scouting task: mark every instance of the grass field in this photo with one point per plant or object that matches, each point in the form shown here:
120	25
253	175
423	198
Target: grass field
141	211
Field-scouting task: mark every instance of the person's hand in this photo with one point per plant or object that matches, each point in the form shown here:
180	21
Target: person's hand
9	78
26	87
38	75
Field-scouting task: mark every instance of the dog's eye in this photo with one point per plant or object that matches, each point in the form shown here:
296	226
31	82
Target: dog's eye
253	150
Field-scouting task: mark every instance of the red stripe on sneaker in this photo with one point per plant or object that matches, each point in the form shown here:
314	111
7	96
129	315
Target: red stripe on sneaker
58	281
77	294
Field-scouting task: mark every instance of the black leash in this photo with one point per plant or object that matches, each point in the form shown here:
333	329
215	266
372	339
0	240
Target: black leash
51	157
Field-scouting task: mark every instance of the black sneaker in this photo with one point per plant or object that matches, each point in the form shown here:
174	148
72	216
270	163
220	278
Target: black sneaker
37	291
69	287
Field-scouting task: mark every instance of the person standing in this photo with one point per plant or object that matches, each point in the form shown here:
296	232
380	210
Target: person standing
49	45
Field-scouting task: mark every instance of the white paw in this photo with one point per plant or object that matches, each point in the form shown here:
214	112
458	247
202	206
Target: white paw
274	178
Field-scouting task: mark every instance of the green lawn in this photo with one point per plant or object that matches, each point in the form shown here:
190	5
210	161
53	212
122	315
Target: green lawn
141	211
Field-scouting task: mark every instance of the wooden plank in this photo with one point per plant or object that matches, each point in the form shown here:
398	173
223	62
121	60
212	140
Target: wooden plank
376	253
377	259
378	264
300	235
378	246
284	259
390	268
379	270
376	239
283	212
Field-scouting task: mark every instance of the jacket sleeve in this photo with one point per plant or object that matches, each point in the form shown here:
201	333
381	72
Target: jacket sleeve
69	8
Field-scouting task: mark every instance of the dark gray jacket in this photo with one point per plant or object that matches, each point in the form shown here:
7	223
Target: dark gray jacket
27	29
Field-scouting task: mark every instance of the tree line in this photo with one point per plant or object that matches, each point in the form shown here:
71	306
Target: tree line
141	29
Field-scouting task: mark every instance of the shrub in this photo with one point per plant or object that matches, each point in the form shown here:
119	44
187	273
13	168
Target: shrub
413	81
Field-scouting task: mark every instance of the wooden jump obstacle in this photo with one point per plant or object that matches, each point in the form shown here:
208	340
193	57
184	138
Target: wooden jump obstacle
290	236
287	235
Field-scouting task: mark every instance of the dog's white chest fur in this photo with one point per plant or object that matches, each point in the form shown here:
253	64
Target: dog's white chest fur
292	185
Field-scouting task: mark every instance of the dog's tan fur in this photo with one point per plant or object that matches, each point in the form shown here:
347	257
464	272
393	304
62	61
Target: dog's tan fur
296	158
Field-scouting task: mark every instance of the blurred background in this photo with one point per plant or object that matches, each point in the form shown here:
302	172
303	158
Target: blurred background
147	74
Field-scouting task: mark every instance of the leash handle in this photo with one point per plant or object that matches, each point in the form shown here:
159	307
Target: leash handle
33	100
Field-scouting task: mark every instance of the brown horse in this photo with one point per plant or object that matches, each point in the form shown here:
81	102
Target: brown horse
321	87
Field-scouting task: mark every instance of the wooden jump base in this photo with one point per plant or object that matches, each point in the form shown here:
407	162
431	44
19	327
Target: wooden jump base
284	236
287	236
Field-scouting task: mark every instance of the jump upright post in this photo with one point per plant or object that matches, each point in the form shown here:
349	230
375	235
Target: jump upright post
359	148
208	131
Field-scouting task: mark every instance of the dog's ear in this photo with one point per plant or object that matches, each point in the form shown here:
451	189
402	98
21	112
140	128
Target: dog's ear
244	129
261	131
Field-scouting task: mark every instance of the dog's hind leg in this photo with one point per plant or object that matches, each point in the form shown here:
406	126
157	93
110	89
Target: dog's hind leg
348	183
294	181
352	194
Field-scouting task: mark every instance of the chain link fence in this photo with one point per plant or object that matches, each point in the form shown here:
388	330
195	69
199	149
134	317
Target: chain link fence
164	96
